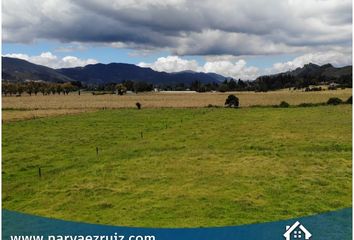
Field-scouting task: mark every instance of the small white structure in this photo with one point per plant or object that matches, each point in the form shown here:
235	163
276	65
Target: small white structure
297	231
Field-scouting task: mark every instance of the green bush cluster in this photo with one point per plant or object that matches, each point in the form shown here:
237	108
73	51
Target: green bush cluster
334	101
284	104
232	101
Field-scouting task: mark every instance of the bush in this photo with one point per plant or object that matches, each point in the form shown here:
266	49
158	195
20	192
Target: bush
309	104
284	104
334	101
349	100
232	101
212	106
121	89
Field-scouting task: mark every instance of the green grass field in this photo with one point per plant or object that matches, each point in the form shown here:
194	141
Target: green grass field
190	167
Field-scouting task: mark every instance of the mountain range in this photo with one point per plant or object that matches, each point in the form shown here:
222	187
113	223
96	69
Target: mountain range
20	70
309	74
14	69
326	72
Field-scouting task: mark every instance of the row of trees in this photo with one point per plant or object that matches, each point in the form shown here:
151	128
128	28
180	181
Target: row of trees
35	87
228	85
134	86
280	81
138	86
262	84
225	86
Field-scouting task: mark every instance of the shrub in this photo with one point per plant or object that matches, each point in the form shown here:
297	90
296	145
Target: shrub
309	104
212	106
334	101
232	101
349	100
121	89
138	105
284	104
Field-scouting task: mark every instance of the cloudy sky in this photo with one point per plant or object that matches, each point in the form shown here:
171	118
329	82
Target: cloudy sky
237	38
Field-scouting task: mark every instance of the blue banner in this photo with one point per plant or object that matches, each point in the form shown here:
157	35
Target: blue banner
332	226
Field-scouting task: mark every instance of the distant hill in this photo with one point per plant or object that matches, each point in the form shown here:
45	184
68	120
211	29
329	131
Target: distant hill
14	69
118	72
309	74
325	72
99	74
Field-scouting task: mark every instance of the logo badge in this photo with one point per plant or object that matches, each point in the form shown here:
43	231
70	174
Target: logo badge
297	231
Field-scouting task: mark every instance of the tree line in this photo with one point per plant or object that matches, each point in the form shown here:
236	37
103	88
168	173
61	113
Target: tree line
261	84
280	81
35	87
269	83
123	87
49	88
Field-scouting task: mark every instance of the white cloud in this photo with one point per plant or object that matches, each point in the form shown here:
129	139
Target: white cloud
17	55
50	60
172	64
336	58
237	69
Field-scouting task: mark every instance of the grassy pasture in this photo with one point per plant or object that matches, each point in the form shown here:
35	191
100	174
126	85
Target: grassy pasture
27	107
188	167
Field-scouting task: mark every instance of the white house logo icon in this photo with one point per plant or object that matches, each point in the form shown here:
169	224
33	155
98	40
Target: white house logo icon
297	231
